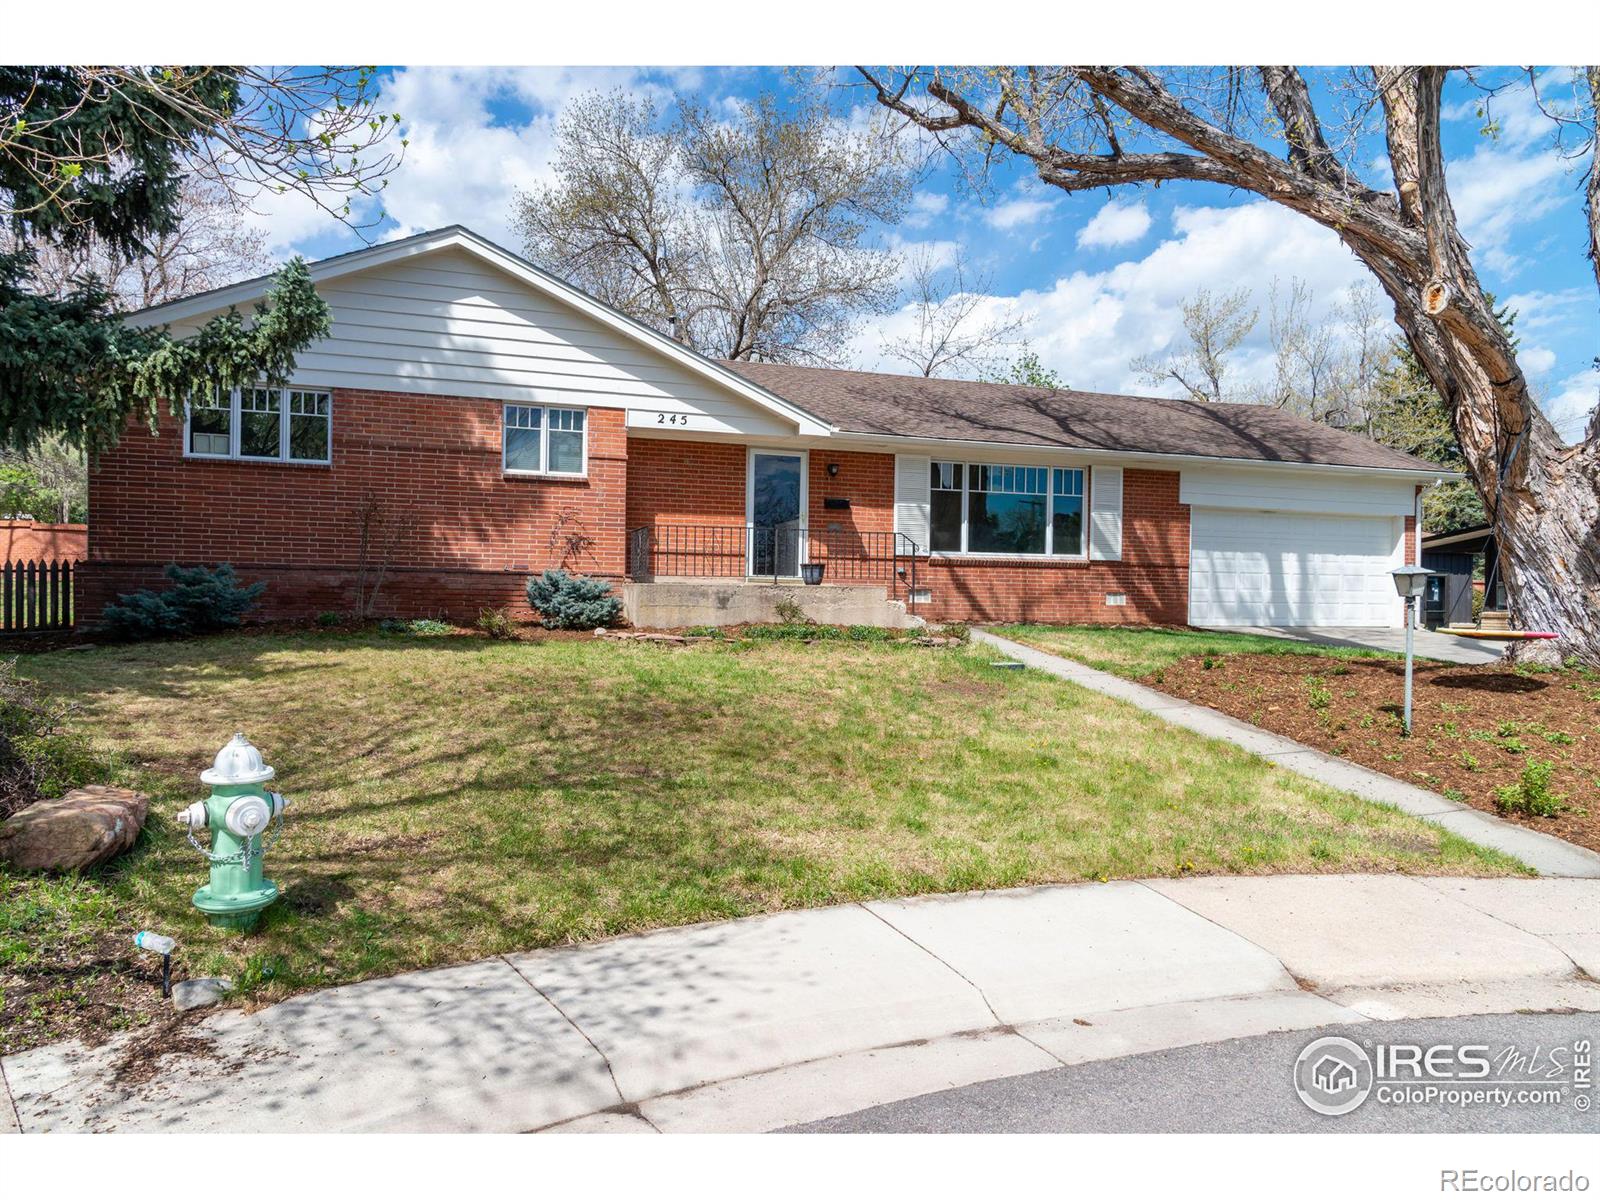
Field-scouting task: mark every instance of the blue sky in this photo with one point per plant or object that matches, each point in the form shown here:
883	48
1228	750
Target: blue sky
1097	277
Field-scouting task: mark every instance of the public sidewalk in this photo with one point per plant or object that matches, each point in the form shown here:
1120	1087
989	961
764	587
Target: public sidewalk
767	1022
1545	854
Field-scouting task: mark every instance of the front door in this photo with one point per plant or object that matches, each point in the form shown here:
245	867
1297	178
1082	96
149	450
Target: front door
777	502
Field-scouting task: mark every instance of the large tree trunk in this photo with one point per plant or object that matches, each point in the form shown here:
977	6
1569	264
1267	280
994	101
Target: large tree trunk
1545	495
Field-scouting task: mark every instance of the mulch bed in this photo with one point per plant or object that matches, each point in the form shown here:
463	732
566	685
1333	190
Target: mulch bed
1474	728
88	991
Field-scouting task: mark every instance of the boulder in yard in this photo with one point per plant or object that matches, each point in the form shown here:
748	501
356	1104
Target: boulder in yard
82	829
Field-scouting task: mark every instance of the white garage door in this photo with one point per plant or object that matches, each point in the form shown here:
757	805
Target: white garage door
1271	568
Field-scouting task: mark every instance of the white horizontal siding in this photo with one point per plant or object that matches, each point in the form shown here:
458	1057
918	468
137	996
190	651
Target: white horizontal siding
1295	491
449	324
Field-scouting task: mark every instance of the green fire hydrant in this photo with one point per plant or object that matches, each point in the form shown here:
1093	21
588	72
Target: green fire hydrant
238	812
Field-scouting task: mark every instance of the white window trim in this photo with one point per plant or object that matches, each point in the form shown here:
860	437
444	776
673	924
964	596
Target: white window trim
544	442
235	423
1049	525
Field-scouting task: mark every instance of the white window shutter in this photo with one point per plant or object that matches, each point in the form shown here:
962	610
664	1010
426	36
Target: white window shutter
1105	514
911	498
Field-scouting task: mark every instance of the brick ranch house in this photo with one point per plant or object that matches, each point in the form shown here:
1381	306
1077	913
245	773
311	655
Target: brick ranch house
505	422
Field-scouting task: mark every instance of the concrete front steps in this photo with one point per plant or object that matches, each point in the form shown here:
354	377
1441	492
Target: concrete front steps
684	603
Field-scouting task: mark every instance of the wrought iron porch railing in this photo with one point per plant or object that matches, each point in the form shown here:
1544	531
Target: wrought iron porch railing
767	552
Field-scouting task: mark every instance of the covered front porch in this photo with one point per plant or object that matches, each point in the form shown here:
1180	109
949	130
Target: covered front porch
721	533
686	574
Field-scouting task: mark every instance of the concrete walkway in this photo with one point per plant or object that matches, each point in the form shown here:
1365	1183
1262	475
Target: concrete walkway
773	1021
1430	643
1545	854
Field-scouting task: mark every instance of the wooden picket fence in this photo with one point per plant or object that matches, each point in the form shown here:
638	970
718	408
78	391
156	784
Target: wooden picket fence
38	595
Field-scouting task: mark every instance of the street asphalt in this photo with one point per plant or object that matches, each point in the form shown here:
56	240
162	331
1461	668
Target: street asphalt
1245	1086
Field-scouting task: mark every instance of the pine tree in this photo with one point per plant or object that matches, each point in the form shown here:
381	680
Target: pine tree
97	156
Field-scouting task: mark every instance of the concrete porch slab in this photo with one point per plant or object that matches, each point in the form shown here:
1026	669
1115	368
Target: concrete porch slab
1347	931
1037	953
680	603
685	1007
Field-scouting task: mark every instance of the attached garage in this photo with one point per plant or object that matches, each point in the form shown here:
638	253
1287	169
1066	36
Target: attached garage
1294	548
1273	568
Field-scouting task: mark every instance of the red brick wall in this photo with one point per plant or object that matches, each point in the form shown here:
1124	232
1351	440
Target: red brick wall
1153	572
696	490
35	541
857	542
478	533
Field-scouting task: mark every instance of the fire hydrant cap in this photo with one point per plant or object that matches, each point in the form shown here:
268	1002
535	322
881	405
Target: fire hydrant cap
237	763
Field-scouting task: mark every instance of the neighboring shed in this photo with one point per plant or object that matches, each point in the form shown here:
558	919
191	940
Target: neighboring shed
1457	557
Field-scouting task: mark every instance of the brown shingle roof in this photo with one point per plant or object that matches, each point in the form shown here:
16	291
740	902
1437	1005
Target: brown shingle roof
959	410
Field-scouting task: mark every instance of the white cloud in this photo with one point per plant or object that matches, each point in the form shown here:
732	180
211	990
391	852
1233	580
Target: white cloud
1497	190
1088	324
1116	224
1013	214
1546	310
1573	399
939	254
461	166
1536	359
925	206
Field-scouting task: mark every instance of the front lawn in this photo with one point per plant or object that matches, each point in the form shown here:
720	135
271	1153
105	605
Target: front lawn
1136	651
1522	743
453	797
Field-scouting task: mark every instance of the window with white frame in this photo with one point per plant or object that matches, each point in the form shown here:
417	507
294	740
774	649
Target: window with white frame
540	440
261	424
984	508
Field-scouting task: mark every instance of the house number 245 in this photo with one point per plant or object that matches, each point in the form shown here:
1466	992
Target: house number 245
663	418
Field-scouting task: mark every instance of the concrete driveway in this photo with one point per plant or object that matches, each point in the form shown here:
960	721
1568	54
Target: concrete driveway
1429	643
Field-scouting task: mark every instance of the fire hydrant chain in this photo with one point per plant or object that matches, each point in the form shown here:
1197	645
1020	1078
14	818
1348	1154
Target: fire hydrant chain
242	855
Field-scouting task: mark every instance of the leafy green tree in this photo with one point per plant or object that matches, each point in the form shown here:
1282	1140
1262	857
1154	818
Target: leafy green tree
1026	370
98	155
47	483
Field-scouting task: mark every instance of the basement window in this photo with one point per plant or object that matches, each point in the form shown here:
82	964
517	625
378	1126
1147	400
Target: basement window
261	424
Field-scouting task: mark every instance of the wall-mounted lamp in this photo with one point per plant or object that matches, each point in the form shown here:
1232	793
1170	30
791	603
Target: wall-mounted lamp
833	469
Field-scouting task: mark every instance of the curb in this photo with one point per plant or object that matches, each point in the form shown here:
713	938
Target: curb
1549	856
776	1020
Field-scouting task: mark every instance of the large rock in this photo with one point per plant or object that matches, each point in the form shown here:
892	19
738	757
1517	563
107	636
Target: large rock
82	829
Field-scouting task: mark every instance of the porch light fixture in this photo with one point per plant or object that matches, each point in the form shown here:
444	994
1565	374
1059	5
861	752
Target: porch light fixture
833	469
1409	582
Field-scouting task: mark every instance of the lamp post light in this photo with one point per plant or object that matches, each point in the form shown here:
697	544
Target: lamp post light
1409	582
